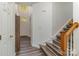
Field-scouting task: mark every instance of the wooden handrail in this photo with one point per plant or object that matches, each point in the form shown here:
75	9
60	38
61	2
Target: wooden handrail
70	21
75	25
65	36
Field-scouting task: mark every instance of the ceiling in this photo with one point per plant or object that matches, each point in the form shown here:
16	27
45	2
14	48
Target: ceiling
28	3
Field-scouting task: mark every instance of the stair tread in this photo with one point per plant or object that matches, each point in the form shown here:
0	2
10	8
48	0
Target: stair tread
65	29
46	50
57	47
57	52
57	41
58	36
68	26
51	51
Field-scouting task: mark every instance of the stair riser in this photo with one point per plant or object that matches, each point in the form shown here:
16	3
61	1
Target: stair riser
57	43
43	51
54	50
58	40
65	29
58	37
68	26
56	47
46	51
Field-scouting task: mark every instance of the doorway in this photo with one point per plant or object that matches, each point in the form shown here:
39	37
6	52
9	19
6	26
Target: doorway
22	34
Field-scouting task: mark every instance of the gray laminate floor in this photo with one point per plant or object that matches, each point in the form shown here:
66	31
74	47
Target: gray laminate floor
27	50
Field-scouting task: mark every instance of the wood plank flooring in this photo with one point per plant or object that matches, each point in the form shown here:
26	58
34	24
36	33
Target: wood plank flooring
27	50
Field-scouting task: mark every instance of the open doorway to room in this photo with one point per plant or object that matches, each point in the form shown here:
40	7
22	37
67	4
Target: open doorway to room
23	27
24	31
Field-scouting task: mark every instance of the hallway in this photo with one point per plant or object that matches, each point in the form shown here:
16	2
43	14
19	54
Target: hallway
27	50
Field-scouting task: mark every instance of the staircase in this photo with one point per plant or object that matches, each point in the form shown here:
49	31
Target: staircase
58	47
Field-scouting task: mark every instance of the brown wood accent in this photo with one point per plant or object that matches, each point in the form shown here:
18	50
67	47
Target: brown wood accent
75	25
65	36
17	33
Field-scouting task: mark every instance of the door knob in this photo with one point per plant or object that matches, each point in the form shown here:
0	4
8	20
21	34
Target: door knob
11	36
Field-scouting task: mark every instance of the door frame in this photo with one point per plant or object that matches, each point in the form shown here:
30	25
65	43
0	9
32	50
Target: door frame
17	41
17	34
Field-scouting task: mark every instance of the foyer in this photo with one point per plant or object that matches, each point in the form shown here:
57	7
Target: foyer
39	29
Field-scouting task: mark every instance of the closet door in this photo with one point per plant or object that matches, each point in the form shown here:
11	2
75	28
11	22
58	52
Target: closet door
0	29
0	23
11	28
7	46
4	32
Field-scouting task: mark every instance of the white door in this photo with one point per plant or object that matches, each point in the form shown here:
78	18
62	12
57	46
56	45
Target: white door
7	46
41	23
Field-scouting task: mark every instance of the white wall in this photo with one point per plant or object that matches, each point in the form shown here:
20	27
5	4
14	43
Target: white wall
25	25
41	23
76	32
62	11
47	19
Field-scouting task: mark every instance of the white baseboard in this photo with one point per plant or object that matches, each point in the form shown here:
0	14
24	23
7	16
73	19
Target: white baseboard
36	45
42	43
14	54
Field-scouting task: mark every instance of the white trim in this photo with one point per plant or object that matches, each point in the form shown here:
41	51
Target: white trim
42	43
14	54
36	45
